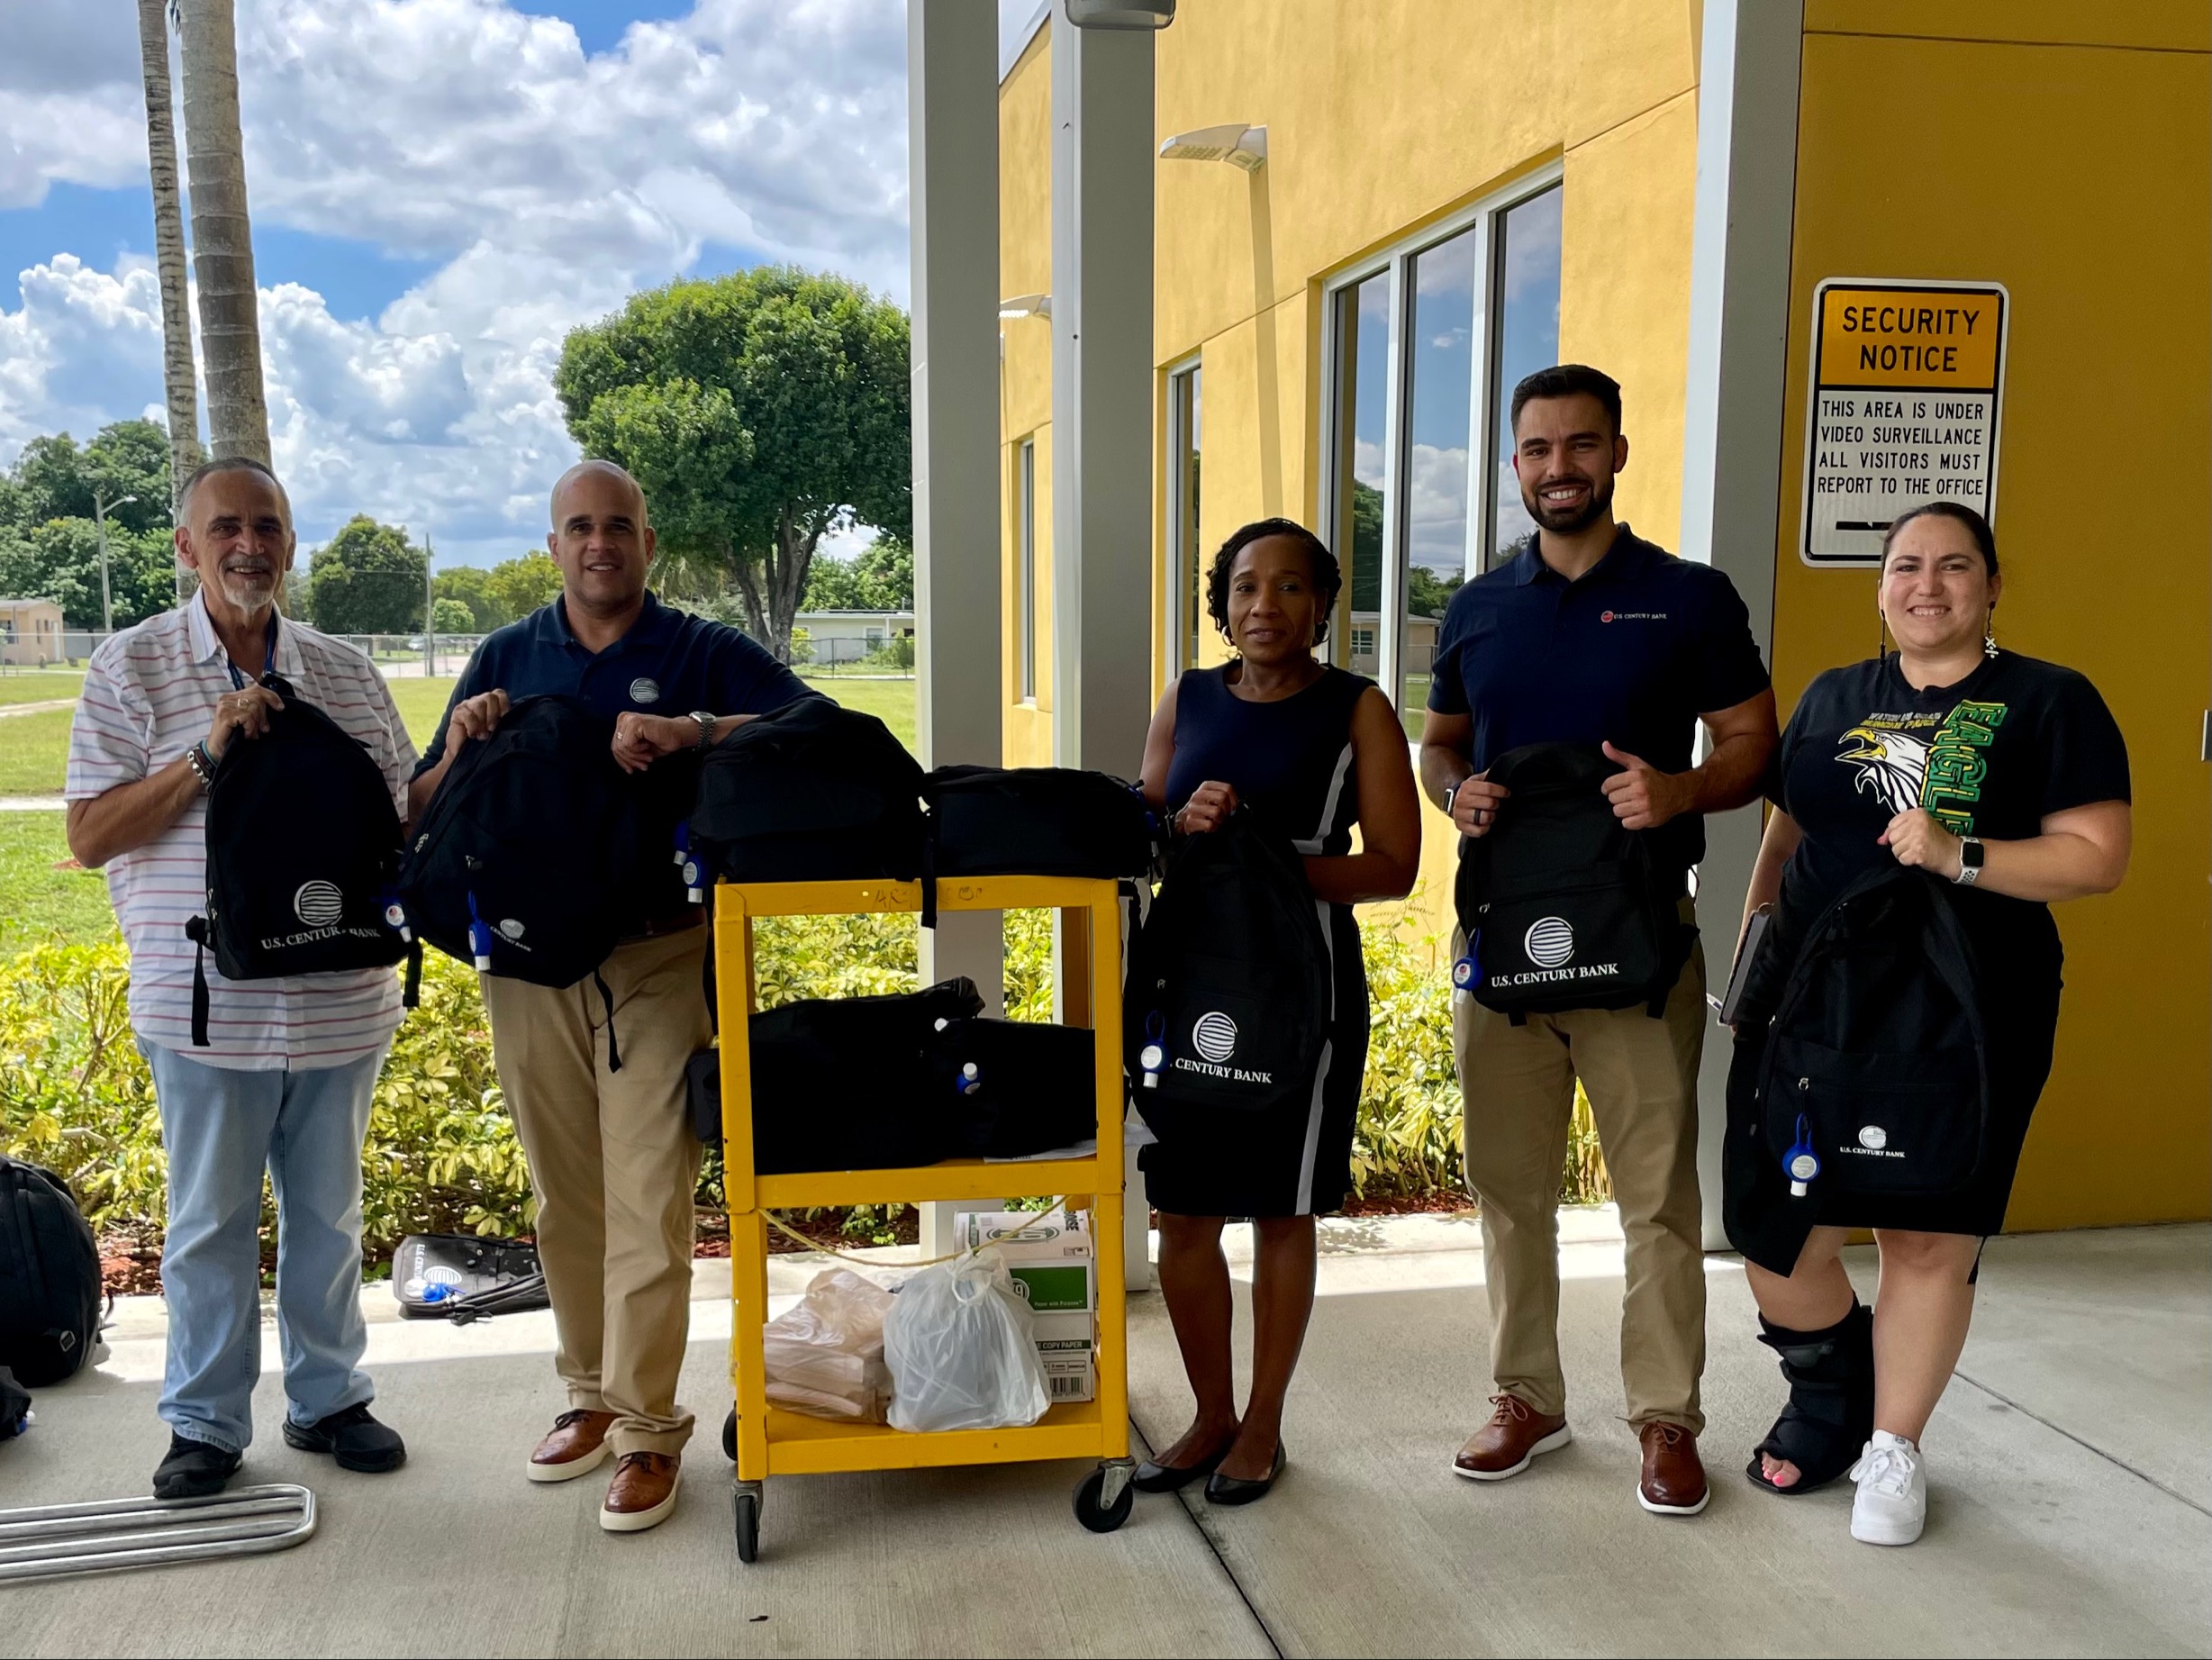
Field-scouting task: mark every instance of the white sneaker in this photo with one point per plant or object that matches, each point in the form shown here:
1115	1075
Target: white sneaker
1891	1506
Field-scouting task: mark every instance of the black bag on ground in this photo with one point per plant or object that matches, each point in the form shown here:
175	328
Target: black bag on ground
844	1083
50	1300
527	860
1016	1088
302	858
1229	996
811	792
1036	821
1561	906
14	1406
1875	1061
464	1277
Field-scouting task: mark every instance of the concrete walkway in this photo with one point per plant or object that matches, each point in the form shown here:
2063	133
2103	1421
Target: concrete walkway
2071	1465
36	709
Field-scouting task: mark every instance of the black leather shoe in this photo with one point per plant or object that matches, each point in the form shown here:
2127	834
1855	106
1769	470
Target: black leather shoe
354	1438
1235	1490
193	1469
1173	1478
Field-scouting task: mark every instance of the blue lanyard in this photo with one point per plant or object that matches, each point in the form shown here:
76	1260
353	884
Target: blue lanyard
268	659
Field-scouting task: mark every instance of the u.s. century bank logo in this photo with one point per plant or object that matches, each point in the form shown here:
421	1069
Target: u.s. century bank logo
1549	945
1632	616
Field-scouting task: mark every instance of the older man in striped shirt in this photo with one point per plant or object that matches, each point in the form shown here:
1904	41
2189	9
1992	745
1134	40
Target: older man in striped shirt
285	1081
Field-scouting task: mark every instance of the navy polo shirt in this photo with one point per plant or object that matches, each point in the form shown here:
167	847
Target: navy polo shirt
670	663
1630	654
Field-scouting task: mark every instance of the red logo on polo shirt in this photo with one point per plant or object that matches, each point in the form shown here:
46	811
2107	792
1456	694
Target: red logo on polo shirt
1605	616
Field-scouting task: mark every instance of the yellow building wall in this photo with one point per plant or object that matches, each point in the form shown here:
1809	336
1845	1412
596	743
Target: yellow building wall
1025	385
2067	160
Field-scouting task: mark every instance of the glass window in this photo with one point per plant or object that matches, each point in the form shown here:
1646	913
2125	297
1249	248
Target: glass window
1441	356
1025	573
1187	558
1363	344
1527	288
1425	351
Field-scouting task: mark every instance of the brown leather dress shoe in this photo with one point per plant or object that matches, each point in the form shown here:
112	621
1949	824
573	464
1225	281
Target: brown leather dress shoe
1674	1479
576	1445
1517	1432
642	1493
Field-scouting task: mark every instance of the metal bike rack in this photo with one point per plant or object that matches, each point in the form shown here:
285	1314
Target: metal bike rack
63	1541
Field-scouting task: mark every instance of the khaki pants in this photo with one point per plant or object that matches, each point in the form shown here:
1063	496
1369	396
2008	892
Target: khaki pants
1640	1074
614	1163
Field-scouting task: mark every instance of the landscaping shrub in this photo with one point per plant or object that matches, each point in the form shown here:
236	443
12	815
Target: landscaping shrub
442	1156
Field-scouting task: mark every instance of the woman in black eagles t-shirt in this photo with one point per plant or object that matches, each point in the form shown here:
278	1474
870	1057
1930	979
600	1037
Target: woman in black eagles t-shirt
2008	777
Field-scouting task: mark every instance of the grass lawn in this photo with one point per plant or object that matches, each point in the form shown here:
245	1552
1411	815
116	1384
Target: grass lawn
420	704
40	686
34	752
39	902
892	702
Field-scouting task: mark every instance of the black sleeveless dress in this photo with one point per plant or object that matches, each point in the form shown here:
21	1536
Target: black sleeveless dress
1290	761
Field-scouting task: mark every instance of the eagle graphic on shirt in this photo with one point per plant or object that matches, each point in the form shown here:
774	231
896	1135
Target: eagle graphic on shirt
1892	765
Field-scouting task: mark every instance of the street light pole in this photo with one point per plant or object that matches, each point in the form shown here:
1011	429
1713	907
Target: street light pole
99	525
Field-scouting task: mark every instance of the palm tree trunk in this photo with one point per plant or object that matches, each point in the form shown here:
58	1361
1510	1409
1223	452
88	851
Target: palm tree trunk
182	390
222	233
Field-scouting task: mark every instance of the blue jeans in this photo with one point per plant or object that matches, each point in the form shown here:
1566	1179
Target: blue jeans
222	1129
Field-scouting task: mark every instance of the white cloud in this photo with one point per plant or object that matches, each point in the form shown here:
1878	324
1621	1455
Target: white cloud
550	184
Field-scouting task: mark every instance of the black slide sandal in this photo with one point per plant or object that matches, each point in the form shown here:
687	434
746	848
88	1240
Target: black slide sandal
1830	1413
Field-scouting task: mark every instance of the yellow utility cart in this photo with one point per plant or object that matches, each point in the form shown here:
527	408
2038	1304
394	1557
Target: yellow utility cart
766	1441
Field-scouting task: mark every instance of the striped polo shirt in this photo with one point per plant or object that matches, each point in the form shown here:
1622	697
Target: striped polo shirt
149	695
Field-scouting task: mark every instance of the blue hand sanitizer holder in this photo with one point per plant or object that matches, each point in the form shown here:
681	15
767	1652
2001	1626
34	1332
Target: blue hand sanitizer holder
1800	1163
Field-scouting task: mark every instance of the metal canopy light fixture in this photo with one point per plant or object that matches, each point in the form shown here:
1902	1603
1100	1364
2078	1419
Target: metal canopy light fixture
1026	305
1121	13
1236	142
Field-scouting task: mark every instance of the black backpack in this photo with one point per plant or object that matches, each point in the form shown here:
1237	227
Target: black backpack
1561	906
466	1278
1015	1088
811	792
1036	821
302	858
49	1277
527	861
1873	1064
844	1083
1229	996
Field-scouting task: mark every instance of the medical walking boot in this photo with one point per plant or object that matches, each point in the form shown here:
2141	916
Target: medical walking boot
1830	1412
1891	1505
1506	1444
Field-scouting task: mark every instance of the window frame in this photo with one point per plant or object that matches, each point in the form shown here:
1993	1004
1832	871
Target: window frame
1184	612
1481	218
1025	567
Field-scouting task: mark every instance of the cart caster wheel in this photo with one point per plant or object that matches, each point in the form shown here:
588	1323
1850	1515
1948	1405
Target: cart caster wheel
729	1436
749	1526
1097	1516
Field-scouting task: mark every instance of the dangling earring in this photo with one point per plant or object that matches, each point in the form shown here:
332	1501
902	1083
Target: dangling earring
1989	634
1881	635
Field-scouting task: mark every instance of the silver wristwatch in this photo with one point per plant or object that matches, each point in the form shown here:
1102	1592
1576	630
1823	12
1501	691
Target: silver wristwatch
706	727
1970	861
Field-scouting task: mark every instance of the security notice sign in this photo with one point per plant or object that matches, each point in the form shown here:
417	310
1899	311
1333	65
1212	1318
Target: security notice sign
1907	389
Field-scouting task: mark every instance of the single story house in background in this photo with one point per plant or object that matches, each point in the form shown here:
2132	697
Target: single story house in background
847	636
29	633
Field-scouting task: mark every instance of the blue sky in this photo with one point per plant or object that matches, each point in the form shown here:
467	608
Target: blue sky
440	189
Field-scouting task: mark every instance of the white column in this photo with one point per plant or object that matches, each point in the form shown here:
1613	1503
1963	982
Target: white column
1103	144
953	150
1739	325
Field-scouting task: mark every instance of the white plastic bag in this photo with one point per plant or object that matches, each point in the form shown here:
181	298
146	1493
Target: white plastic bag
961	1349
826	1355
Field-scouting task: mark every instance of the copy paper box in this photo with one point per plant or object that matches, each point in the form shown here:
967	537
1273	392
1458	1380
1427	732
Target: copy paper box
1067	1346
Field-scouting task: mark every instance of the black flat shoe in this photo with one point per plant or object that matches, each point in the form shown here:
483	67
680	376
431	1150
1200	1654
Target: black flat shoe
1173	1478
1236	1490
193	1469
354	1438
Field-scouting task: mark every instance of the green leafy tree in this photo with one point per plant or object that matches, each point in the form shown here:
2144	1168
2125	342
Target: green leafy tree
1366	572
369	579
880	577
54	478
758	410
1426	594
452	617
60	560
470	586
516	587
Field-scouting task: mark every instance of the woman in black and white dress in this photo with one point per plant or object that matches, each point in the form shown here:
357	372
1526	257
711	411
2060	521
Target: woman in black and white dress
1312	750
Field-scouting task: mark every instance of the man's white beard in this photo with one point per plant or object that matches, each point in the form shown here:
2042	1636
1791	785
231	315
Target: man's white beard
248	594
